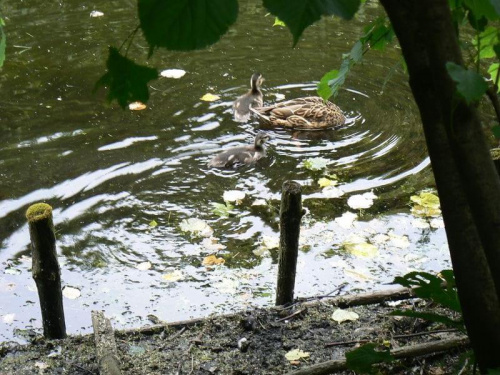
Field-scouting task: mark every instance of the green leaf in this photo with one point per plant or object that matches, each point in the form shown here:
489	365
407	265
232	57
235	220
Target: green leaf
127	81
481	9
323	87
183	25
361	359
3	42
488	42
300	14
430	287
222	210
470	85
378	34
153	224
315	164
493	72
278	22
458	324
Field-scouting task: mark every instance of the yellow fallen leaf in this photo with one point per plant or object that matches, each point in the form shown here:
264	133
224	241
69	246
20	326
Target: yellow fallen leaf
324	182
137	106
212	260
340	315
296	355
173	276
210	97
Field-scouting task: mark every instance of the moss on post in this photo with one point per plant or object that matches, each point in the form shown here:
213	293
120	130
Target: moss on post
495	155
290	215
45	270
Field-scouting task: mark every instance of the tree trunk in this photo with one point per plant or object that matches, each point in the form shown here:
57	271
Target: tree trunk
467	182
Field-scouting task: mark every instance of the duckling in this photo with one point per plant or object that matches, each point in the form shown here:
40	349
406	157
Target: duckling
253	98
238	156
308	113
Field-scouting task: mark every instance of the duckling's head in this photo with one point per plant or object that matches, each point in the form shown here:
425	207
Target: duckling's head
256	81
260	139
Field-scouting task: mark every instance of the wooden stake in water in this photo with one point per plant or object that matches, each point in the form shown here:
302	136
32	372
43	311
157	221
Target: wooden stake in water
45	270
290	215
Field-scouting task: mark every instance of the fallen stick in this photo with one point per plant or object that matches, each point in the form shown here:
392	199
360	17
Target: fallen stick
342	301
417	350
107	354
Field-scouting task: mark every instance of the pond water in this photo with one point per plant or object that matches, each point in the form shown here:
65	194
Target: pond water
112	174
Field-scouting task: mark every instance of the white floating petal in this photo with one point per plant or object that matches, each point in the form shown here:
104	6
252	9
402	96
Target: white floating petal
71	293
340	315
173	73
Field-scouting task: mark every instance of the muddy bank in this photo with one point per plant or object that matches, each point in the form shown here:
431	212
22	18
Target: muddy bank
251	342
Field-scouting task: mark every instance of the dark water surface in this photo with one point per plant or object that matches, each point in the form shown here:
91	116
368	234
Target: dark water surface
109	173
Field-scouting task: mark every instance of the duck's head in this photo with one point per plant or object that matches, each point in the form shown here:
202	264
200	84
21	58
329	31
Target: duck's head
260	139
256	81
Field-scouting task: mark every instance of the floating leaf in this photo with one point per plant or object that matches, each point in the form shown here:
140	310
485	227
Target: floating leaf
173	276
324	182
347	219
210	97
270	242
137	106
259	202
173	73
427	204
212	244
332	192
12	271
144	266
437	223
222	210
341	316
212	260
360	201
153	224
315	164
470	84
235	196
71	293
96	13
399	241
227	285
296	355
8	318
196	227
358	246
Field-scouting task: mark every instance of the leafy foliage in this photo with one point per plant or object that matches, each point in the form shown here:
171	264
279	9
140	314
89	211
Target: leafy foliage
470	85
127	81
377	35
299	14
361	359
3	42
430	287
184	25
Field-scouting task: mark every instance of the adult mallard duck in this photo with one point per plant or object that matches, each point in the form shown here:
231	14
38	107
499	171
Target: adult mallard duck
253	98
309	113
242	155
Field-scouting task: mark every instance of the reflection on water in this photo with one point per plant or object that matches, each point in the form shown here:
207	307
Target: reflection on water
110	173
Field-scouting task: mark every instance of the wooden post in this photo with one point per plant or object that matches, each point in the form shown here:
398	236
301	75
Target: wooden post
45	270
107	354
290	215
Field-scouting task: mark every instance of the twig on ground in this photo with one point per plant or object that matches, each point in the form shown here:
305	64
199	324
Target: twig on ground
292	315
424	333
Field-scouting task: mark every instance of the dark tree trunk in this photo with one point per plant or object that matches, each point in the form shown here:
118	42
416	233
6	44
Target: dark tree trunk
467	182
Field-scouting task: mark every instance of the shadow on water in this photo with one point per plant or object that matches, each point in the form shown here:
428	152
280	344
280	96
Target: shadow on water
111	174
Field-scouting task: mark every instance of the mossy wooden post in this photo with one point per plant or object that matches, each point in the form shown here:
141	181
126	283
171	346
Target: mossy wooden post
45	270
290	215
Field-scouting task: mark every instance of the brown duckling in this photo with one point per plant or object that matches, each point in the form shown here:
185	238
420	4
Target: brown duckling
253	98
242	155
309	113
